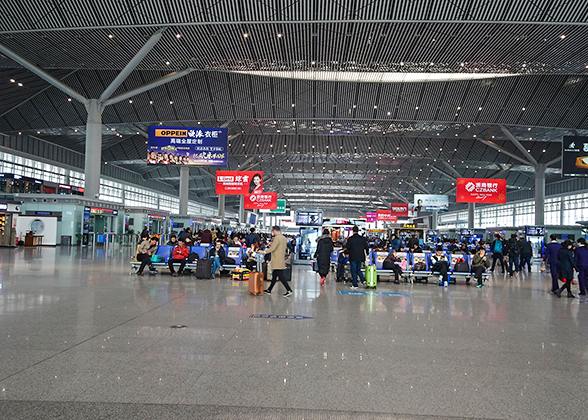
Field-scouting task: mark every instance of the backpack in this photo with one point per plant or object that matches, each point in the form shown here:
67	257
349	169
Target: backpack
192	257
420	266
461	267
514	250
157	258
498	246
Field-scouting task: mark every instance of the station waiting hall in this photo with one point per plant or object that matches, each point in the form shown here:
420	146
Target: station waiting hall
317	209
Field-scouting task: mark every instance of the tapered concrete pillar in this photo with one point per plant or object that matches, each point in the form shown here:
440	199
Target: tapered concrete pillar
184	189
471	213
434	220
242	209
540	194
93	158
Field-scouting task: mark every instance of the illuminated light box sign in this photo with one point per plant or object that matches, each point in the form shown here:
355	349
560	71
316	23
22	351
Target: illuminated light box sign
98	210
239	182
371	217
478	190
399	209
574	157
263	201
157	217
187	146
431	202
385	216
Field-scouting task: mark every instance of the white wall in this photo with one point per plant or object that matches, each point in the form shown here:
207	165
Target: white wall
23	225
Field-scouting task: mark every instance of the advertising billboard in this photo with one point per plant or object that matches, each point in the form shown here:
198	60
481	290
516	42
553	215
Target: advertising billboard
371	217
262	201
239	182
187	146
574	156
385	216
430	202
399	209
479	190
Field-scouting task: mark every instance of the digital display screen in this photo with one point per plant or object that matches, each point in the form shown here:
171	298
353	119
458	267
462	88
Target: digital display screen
309	218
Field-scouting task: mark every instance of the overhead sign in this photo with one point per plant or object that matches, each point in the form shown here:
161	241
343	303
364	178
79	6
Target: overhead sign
431	202
399	209
239	182
371	217
187	146
271	316
477	190
574	160
263	201
281	207
98	210
385	216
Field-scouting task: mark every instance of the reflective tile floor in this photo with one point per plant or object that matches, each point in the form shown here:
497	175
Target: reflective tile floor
82	338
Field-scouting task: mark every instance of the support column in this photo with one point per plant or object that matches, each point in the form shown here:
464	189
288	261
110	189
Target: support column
184	190
471	213
221	206
93	158
242	209
434	220
540	194
562	208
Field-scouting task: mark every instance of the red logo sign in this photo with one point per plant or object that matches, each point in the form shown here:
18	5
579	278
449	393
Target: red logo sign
399	209
386	216
263	201
239	182
477	190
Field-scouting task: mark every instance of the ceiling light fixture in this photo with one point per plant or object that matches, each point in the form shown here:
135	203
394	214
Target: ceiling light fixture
110	36
178	36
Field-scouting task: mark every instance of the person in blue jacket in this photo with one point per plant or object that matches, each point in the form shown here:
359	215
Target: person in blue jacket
551	252
581	258
341	261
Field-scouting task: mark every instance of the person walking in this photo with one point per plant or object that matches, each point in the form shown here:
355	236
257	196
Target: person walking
278	251
514	255
581	259
498	249
324	248
358	251
526	253
567	265
551	252
479	264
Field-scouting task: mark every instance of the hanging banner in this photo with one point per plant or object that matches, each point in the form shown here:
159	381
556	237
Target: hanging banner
281	207
239	182
477	190
371	217
263	201
399	209
574	157
385	216
187	146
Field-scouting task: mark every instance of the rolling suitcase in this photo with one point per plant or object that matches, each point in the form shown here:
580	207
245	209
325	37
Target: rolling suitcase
204	269
371	276
256	278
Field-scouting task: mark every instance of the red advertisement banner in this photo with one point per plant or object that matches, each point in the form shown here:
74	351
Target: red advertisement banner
478	190
386	216
399	209
263	201
239	182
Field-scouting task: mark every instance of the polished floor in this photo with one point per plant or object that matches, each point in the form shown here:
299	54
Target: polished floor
82	338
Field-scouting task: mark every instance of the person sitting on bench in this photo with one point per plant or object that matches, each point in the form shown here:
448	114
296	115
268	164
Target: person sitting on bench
479	264
341	261
146	250
179	255
390	264
441	265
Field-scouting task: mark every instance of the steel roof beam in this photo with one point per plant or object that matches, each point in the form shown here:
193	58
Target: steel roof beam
148	86
43	75
118	80
518	144
399	195
443	173
553	161
501	150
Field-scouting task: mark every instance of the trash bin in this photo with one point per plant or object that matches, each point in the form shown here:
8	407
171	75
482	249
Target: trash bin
65	240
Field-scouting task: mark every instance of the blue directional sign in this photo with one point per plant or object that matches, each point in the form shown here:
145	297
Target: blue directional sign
362	293
271	316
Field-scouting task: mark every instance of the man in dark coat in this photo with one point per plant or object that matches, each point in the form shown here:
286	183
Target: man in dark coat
324	248
358	251
581	258
566	268
526	253
551	252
